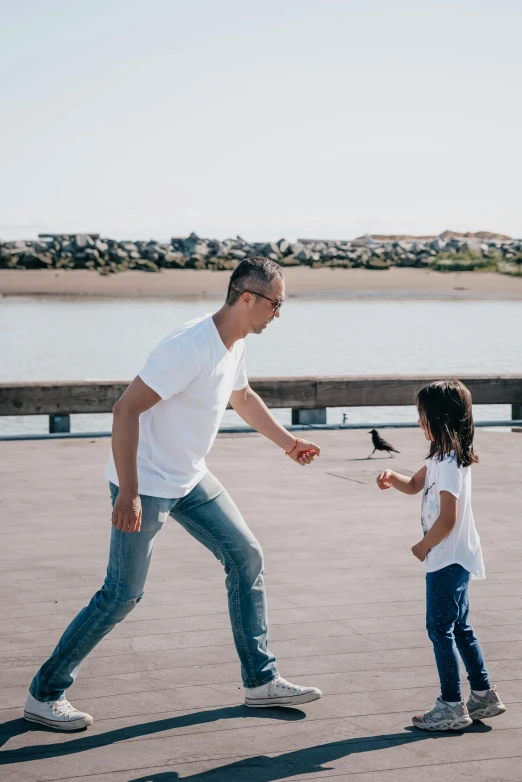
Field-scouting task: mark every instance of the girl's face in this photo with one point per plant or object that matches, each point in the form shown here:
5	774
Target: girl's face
425	427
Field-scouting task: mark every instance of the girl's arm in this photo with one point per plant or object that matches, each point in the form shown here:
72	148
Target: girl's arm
403	483
442	527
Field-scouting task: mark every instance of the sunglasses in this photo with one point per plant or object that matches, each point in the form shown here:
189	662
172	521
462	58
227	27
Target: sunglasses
276	303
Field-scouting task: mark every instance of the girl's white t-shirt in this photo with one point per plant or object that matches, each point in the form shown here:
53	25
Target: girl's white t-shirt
462	545
194	374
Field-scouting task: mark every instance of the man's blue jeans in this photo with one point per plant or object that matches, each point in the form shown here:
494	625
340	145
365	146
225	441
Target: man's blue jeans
210	515
447	609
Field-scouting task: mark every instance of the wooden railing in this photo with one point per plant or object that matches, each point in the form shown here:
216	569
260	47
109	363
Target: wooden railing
307	396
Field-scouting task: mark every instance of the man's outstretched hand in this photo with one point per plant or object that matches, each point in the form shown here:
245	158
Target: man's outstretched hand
127	513
304	452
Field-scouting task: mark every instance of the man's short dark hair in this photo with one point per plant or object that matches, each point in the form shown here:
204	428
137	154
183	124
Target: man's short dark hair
255	274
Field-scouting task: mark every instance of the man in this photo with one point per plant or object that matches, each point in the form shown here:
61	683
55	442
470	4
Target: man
164	426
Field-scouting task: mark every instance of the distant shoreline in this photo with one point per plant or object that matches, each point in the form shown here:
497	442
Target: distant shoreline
302	282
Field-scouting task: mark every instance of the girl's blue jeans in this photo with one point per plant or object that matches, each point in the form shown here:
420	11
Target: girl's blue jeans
447	609
209	515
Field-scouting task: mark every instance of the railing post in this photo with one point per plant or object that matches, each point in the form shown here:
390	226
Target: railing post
315	416
59	424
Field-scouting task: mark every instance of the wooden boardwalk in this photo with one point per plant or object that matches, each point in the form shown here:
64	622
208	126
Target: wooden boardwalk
346	601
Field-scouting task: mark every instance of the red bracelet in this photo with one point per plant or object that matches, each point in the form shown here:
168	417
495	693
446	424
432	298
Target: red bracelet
292	449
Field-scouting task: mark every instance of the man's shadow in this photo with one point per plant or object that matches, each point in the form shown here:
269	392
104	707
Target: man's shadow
305	761
85	742
256	769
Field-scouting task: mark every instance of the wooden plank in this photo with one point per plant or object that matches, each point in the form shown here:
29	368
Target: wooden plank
60	397
394	390
99	396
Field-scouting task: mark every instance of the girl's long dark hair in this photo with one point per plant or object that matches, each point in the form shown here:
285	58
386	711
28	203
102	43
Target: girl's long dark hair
445	407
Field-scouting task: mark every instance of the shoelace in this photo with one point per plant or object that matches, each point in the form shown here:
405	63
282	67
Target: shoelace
63	707
286	685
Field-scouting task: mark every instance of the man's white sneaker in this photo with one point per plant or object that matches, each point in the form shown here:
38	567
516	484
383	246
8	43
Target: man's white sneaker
279	692
60	714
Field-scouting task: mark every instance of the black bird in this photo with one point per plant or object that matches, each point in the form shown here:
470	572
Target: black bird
379	444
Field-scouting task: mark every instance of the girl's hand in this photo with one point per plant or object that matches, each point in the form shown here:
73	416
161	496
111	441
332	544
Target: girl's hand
419	551
383	480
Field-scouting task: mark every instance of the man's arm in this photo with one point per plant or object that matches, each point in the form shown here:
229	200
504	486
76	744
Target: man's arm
442	527
137	398
256	414
403	483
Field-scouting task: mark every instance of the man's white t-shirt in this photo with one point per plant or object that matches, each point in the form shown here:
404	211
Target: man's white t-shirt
194	374
462	545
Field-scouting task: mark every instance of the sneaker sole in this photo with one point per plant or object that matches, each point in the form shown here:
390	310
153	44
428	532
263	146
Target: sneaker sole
58	725
465	722
494	710
290	700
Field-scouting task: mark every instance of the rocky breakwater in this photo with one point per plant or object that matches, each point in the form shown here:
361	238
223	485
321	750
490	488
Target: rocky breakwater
447	252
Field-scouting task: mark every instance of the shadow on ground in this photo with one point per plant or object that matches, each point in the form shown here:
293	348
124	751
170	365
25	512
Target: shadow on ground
261	768
304	761
91	741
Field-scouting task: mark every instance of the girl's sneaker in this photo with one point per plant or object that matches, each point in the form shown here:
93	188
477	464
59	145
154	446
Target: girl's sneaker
444	717
482	707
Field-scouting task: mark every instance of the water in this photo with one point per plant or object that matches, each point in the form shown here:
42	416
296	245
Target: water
86	339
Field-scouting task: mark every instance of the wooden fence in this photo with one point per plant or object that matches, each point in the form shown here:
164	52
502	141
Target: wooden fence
308	397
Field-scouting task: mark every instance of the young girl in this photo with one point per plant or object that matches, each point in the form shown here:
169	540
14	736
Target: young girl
450	550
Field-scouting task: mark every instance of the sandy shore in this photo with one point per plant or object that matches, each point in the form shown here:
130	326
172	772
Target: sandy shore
302	282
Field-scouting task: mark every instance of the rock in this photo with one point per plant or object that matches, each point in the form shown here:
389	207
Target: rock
144	265
222	251
408	259
119	255
40	247
271	250
364	241
303	254
469	247
289	260
331	252
175	260
213	247
449	251
83	240
32	260
284	246
194	246
377	263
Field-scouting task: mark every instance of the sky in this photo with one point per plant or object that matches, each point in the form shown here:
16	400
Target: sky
325	119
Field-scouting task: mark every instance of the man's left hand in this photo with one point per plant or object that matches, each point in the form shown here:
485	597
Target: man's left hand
304	452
